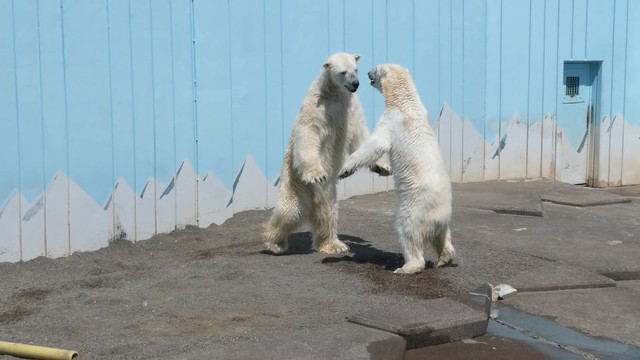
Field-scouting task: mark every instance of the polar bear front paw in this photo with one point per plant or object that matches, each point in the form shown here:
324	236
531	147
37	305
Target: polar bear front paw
315	176
277	249
345	173
381	169
332	247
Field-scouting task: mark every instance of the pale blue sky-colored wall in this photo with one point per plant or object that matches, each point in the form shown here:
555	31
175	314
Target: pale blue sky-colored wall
102	90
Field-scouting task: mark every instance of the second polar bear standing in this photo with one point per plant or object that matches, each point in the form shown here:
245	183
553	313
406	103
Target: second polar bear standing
421	179
330	126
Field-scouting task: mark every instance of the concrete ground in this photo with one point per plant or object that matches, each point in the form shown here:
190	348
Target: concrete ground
573	254
584	303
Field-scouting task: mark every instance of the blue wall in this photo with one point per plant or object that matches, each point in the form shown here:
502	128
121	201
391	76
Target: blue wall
102	90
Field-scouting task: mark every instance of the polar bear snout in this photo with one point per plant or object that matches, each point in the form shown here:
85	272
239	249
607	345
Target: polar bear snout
353	86
372	75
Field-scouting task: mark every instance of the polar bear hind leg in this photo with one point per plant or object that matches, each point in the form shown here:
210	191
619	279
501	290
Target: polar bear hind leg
444	248
412	243
286	217
324	222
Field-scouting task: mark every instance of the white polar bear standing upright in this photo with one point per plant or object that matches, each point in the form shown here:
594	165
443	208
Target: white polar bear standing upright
330	126
421	179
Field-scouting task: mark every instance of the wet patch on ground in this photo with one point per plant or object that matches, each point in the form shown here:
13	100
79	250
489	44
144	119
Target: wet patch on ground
378	265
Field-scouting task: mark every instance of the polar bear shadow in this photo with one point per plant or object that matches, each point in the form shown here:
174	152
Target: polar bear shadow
365	253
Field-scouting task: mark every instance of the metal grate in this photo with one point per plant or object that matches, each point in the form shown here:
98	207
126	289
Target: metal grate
573	84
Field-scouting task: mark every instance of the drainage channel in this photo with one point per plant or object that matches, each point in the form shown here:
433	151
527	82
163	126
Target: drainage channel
554	340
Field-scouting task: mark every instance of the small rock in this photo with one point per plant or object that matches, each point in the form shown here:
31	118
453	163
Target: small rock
502	291
494	314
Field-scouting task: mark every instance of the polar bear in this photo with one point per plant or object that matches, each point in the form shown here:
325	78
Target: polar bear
423	186
330	126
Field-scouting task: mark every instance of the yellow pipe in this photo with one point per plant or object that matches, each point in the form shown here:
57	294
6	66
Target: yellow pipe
35	352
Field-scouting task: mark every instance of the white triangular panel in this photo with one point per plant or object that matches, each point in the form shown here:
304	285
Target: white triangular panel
10	217
548	142
473	153
185	189
616	131
121	206
513	156
456	145
360	183
443	132
33	230
383	183
631	159
534	150
90	225
57	212
166	206
273	193
251	187
603	153
213	198
146	210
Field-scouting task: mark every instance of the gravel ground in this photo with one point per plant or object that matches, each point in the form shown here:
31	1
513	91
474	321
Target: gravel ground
182	294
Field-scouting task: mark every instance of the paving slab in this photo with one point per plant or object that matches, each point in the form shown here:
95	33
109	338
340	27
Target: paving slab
435	321
603	239
629	284
503	197
629	190
339	341
583	197
558	277
611	313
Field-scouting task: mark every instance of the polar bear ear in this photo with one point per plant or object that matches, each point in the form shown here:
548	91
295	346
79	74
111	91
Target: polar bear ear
327	65
356	56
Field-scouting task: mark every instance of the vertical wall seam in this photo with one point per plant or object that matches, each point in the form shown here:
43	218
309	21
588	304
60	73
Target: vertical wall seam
463	102
586	27
526	156
44	153
500	97
344	27
556	99
573	15
133	130
266	106
374	63
328	27
194	107
450	85
173	116
17	102
66	127
233	154
153	114
413	35
386	30
113	161
624	88
544	50
611	117
282	118
484	110
439	72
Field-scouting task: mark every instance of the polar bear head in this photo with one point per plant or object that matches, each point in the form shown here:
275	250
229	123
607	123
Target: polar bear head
342	71
389	74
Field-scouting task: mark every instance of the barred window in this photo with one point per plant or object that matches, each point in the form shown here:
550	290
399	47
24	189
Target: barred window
573	84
